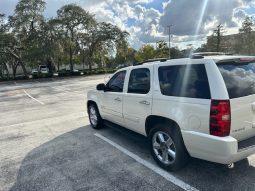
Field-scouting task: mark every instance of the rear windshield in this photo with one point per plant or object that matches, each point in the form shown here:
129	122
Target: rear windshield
239	78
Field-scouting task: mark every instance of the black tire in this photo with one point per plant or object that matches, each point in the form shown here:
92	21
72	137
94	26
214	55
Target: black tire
99	123
181	155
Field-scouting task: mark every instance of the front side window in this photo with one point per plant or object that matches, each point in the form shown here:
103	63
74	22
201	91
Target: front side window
184	81
139	81
116	83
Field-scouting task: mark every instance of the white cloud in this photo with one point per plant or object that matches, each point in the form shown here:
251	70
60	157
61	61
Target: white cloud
184	15
148	25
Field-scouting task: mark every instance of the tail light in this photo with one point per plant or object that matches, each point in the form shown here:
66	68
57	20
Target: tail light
220	118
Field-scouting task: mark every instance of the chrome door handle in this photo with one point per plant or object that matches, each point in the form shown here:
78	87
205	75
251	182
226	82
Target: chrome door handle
117	99
144	102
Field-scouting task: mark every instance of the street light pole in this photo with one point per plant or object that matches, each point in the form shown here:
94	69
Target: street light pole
169	39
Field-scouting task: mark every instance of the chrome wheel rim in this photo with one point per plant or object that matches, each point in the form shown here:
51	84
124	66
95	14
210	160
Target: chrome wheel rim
93	116
164	148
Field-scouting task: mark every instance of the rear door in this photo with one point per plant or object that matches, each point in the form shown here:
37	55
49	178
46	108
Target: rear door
138	99
239	78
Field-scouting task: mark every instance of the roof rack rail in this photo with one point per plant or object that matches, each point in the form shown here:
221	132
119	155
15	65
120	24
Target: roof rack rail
211	53
197	57
152	60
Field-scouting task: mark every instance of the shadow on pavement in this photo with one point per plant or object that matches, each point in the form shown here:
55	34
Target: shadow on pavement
78	160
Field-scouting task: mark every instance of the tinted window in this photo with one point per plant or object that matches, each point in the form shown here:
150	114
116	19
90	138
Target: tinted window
139	81
239	79
184	81
116	83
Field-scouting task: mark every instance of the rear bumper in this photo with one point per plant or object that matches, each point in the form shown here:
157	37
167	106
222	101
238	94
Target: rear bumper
222	150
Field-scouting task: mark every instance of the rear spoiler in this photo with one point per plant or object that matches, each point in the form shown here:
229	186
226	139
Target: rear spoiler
237	60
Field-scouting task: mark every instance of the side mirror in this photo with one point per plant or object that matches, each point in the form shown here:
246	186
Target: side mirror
101	87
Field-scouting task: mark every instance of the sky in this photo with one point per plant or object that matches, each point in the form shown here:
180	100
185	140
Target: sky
147	20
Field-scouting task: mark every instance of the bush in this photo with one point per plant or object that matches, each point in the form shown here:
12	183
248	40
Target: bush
99	71
40	75
21	77
76	73
64	73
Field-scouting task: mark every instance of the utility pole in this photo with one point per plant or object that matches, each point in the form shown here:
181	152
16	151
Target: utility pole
169	39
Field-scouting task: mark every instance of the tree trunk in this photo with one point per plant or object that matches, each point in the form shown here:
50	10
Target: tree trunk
90	60
59	60
14	69
71	58
20	61
90	66
23	68
83	59
6	69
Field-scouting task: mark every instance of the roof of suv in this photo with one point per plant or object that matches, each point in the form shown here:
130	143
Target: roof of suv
215	58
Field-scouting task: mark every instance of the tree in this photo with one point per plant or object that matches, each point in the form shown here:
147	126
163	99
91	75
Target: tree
2	25
247	25
145	53
246	33
7	44
162	49
26	25
103	36
74	20
218	33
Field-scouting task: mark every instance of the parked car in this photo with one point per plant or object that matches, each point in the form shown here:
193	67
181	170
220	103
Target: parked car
43	69
203	107
34	71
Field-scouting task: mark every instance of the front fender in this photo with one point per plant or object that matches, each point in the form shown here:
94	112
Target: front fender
92	96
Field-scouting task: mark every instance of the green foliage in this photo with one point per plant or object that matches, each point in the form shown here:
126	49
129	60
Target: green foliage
73	37
145	53
100	39
242	43
247	25
27	16
161	51
73	21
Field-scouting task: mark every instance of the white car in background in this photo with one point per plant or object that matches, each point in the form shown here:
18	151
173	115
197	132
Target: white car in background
43	69
203	107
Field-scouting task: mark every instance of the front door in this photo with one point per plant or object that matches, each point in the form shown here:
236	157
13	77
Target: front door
112	99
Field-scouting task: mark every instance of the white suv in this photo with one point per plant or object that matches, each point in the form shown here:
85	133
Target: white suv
203	107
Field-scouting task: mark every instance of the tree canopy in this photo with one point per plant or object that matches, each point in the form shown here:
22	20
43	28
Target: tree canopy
29	39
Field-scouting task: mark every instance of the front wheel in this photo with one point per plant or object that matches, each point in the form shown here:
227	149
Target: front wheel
94	117
167	147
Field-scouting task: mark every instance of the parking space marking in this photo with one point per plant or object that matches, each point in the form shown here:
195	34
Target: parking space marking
33	97
147	164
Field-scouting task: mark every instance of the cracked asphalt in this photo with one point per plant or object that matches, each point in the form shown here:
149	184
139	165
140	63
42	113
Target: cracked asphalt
46	143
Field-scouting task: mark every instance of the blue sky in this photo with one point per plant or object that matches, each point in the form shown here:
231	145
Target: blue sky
156	5
147	20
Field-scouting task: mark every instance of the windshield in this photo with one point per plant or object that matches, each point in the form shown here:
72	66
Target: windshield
239	79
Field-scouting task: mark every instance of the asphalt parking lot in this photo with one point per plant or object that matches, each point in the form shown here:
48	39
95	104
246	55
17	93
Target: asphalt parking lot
46	143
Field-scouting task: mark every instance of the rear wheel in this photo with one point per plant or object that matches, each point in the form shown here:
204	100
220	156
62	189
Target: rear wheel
167	147
94	116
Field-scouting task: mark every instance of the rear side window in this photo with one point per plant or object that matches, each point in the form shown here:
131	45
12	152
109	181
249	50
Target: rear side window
239	78
139	81
184	81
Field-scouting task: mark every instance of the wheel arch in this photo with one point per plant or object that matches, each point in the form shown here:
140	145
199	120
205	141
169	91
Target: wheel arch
152	120
89	102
